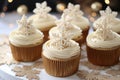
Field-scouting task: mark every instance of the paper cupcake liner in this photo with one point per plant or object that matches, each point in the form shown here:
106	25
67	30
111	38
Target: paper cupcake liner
46	35
85	33
61	67
94	29
26	54
107	57
80	40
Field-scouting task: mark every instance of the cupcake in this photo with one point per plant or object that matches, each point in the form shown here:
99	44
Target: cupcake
26	41
103	45
77	18
68	28
61	55
42	20
113	22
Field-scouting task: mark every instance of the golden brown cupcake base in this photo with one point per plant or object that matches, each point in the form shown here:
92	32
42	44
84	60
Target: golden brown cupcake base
107	57
61	67
26	54
80	40
85	33
46	34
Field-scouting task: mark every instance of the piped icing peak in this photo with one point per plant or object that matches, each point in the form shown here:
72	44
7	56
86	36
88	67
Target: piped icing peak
25	27
104	31
42	9
73	10
108	13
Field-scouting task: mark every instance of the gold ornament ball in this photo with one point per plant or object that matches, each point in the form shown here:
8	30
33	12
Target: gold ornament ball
96	6
22	9
60	7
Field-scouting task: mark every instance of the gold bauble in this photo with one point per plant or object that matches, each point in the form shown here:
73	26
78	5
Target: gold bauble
60	7
22	9
96	6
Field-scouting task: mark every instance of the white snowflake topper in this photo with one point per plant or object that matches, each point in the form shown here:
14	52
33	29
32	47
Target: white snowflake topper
104	30
42	9
108	13
73	10
25	26
63	25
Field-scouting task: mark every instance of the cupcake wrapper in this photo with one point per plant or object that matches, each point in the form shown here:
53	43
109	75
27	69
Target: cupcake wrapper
85	33
80	41
94	29
26	53
45	35
61	68
106	57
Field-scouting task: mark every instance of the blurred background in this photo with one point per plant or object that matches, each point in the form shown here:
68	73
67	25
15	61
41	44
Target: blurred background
57	5
11	10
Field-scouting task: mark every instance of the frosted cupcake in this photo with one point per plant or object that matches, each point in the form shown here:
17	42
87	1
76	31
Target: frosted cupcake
113	22
77	18
61	56
26	41
68	28
42	20
103	45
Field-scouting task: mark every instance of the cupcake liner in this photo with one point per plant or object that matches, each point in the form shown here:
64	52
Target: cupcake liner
106	57
46	34
80	40
94	29
85	33
26	54
61	67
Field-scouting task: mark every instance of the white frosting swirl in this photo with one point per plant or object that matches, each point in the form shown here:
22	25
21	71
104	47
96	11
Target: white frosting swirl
18	39
64	26
42	19
96	43
113	22
74	12
103	37
81	22
55	31
25	35
53	51
43	24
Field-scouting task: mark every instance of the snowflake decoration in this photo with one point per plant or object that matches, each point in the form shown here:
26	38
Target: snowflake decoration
104	31
64	26
82	74
96	76
91	66
73	10
6	56
25	26
113	72
108	13
31	72
42	9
